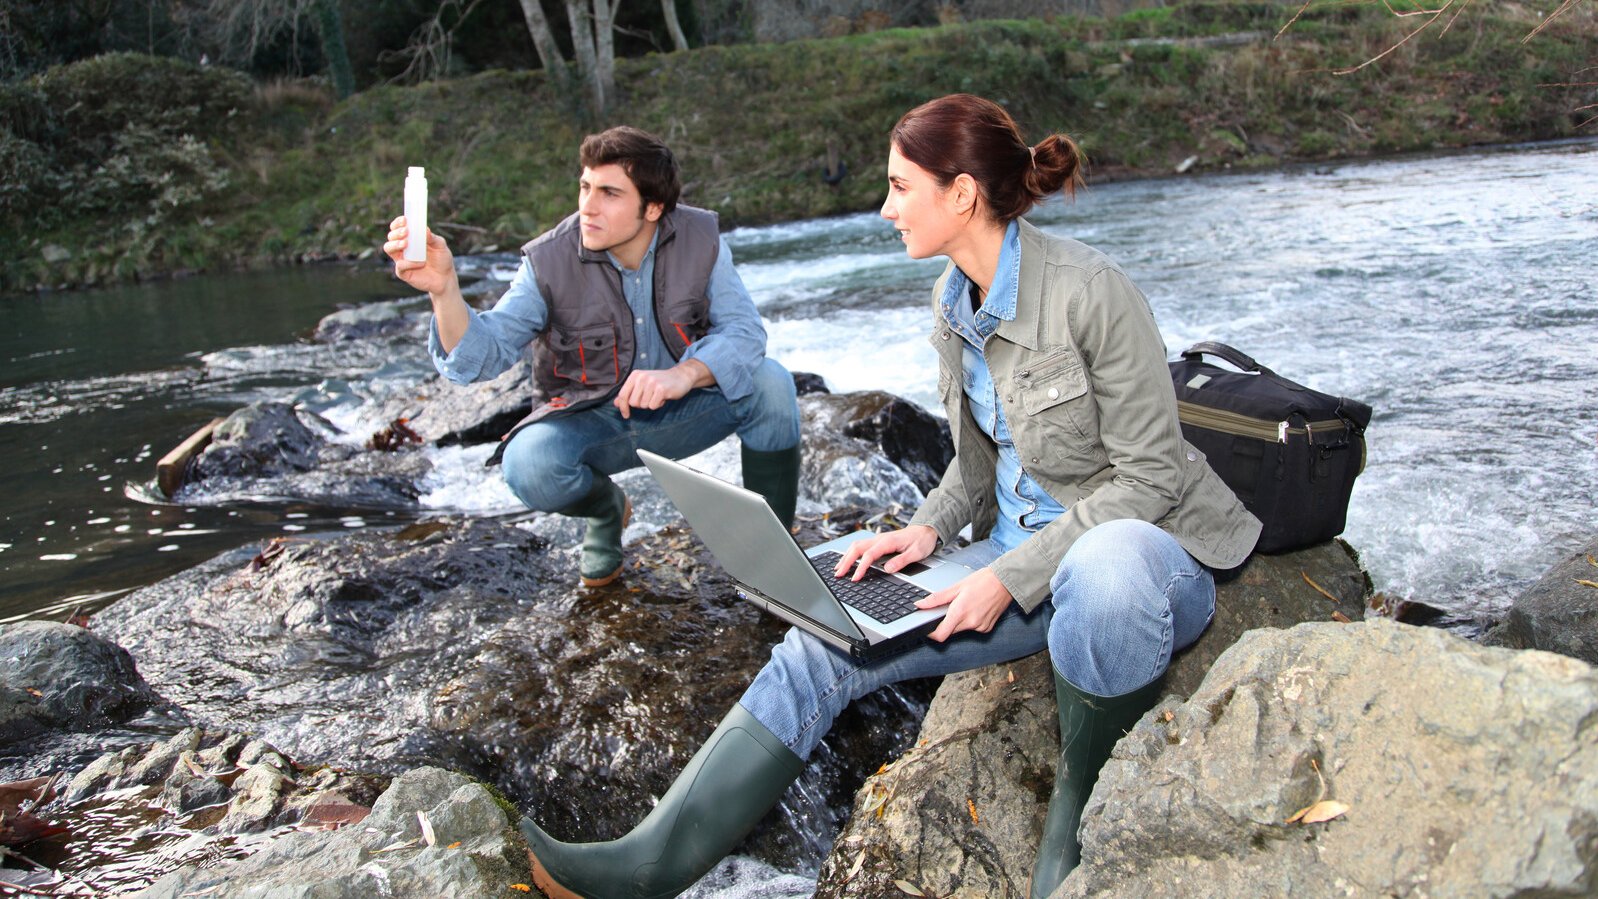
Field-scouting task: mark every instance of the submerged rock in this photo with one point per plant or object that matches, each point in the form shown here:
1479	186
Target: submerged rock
61	676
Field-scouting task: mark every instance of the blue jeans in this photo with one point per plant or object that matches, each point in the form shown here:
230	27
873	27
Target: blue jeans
1124	598
550	464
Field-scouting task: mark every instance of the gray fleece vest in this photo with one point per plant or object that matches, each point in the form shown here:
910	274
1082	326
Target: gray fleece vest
586	351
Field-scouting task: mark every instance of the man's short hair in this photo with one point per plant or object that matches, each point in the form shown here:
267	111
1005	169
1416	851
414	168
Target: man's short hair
643	156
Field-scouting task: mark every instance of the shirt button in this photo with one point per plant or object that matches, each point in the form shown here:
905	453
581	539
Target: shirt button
945	335
1034	460
639	320
1192	456
643	355
1054	393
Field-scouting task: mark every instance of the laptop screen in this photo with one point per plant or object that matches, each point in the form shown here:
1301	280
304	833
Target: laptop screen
749	541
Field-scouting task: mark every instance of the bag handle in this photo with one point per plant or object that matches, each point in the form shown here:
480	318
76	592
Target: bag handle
1231	355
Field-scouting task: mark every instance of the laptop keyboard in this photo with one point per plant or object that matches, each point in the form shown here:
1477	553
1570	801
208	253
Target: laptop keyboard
886	599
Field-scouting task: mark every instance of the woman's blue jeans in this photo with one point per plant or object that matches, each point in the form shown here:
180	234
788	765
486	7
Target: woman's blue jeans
1124	598
550	464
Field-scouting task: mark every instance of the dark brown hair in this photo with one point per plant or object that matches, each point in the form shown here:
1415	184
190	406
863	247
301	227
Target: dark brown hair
964	133
643	156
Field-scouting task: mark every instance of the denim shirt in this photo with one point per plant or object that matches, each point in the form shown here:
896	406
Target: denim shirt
1024	507
733	348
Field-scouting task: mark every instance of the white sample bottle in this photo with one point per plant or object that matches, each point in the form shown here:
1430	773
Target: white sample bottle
416	214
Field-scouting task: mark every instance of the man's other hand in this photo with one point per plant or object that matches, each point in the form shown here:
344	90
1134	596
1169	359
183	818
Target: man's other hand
656	387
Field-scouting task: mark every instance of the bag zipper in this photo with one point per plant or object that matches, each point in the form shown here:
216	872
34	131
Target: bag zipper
1248	426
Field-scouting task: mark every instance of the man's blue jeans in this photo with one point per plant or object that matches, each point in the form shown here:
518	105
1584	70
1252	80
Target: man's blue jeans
550	464
1124	598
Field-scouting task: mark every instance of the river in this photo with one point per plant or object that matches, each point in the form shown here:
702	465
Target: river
1455	294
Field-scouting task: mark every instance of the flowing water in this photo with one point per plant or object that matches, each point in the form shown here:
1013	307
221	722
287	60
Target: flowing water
1457	295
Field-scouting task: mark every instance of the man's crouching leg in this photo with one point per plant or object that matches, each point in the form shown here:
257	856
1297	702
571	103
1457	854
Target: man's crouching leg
542	468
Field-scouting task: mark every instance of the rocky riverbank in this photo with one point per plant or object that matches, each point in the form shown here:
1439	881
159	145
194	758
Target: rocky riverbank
329	714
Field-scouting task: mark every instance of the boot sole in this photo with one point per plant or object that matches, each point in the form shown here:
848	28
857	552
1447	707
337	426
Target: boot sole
548	884
604	580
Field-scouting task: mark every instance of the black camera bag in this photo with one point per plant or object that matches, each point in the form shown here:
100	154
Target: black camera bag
1289	453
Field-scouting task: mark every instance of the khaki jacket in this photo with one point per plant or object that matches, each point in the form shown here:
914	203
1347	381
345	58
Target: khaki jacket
1082	377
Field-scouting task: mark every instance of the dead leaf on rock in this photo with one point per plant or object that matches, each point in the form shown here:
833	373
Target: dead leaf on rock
908	888
1340	618
1318	588
1587	583
1325	810
854	869
1010	676
521	887
427	828
972	807
1167	716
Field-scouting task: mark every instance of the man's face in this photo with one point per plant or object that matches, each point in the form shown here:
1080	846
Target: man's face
612	213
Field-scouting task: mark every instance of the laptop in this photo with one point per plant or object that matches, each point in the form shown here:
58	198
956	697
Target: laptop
868	619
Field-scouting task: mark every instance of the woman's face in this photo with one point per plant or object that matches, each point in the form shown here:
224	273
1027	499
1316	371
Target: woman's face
924	214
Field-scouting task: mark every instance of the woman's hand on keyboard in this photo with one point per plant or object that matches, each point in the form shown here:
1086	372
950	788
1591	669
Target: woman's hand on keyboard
912	544
975	604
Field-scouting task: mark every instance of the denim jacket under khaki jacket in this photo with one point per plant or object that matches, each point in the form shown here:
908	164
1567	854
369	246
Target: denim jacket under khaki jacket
1083	380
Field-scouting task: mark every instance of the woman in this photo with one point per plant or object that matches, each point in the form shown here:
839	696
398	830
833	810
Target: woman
1096	526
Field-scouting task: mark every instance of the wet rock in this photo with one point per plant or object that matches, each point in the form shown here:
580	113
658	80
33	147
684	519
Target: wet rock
805	383
871	448
1559	613
1465	771
466	643
275	450
60	676
445	413
392	319
964	808
259	440
473	851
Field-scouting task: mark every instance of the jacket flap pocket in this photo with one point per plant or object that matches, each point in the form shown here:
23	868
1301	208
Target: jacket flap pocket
1050	382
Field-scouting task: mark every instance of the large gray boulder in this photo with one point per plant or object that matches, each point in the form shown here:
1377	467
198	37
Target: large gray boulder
433	833
63	676
1559	613
1464	771
961	812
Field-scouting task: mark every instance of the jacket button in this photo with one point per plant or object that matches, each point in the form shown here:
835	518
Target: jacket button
1034	460
1054	393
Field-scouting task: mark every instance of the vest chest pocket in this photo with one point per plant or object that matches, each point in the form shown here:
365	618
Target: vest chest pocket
1053	391
586	356
686	320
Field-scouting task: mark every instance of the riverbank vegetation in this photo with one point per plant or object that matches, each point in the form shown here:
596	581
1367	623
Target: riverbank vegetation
128	166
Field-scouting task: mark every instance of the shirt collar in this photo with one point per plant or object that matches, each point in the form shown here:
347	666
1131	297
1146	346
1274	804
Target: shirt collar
648	254
1001	299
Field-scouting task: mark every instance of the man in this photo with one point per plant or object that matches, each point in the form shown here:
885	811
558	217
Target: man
643	336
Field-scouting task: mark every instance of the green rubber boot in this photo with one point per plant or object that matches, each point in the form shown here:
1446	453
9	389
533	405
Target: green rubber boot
775	476
608	510
728	786
1090	726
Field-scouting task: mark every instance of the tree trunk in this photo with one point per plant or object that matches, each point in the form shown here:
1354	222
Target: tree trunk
678	40
605	45
330	27
583	51
544	40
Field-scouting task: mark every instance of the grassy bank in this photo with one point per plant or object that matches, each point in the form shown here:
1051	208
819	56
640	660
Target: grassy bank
289	175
